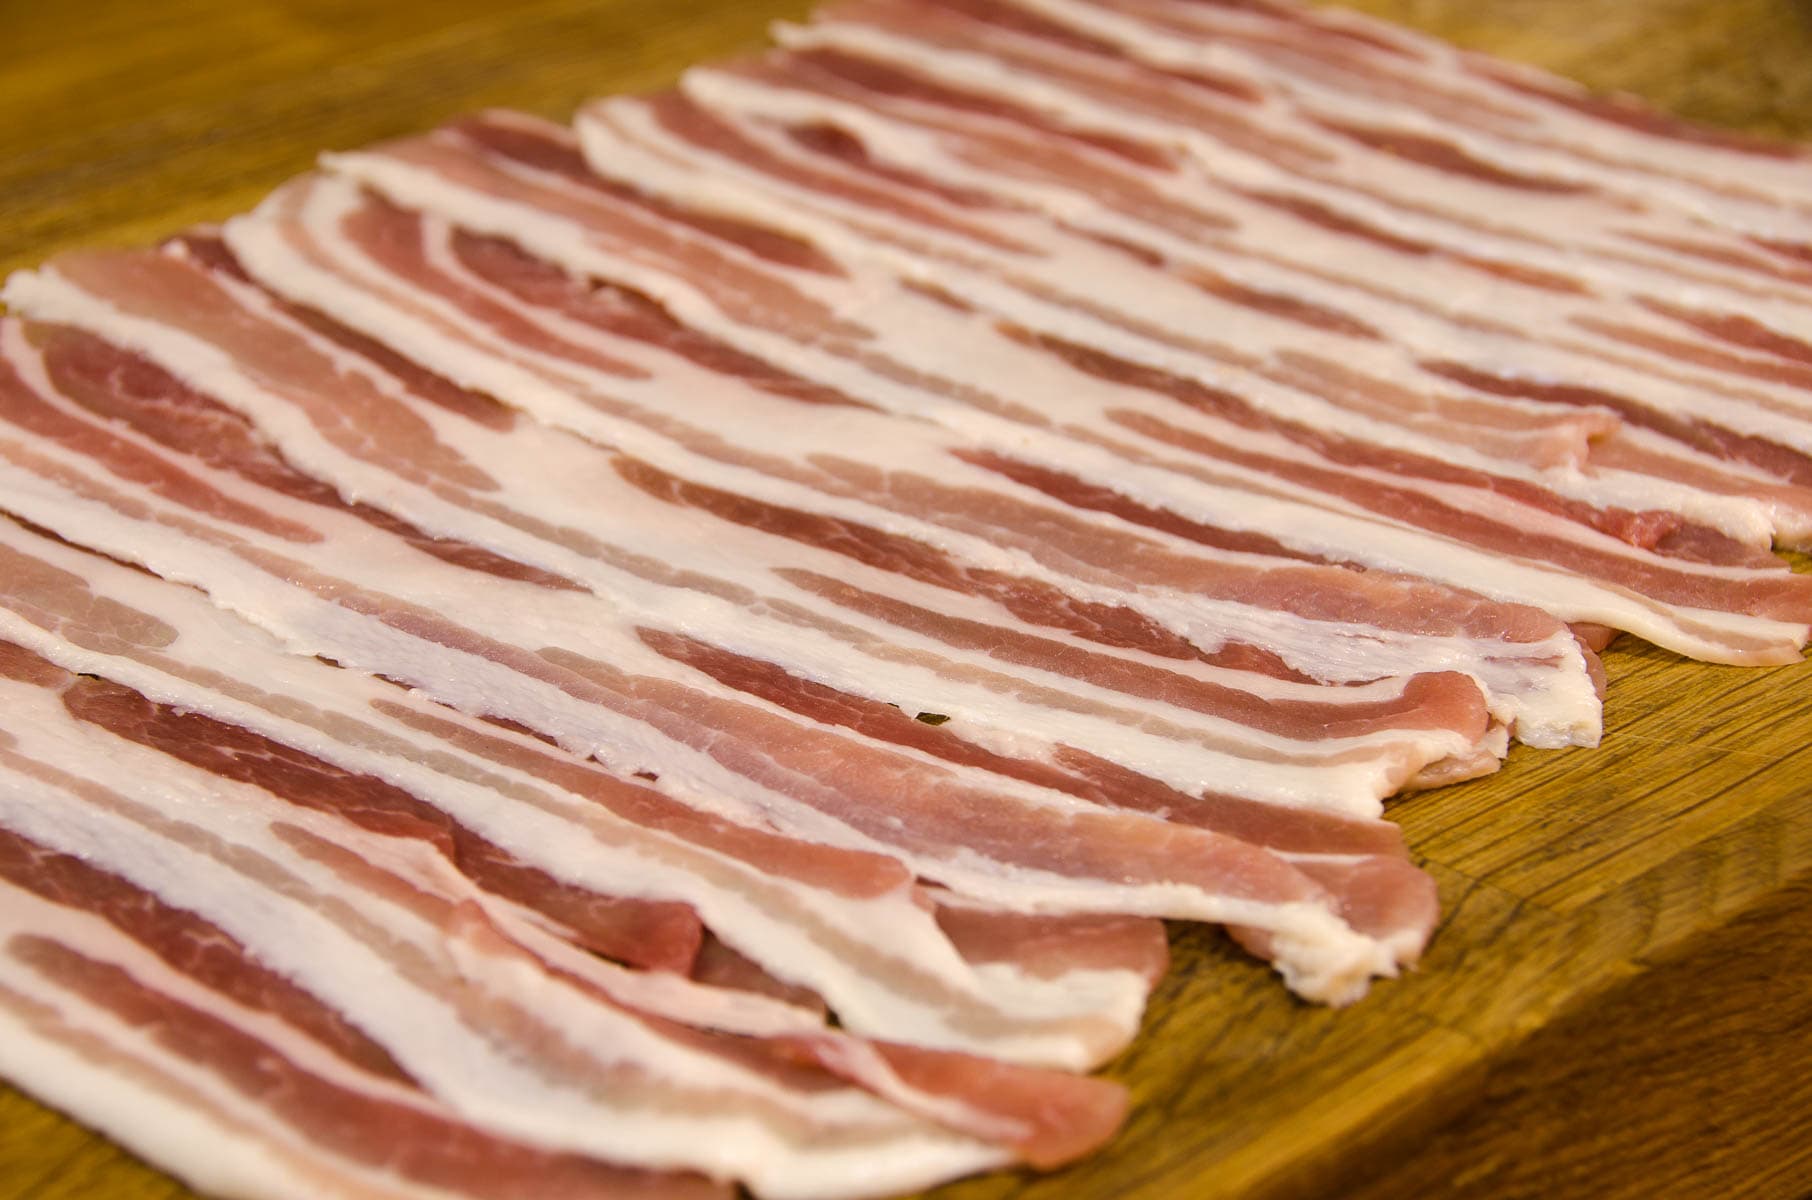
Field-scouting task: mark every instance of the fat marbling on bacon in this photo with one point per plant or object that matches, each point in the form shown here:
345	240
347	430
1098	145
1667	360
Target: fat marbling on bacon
464	626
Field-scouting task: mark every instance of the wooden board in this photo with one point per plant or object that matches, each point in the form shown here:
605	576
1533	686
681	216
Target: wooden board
1619	1002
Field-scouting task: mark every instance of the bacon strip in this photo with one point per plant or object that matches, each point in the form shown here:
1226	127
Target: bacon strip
765	127
694	651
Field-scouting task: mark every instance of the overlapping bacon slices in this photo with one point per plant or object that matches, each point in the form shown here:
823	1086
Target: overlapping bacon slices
691	650
90	764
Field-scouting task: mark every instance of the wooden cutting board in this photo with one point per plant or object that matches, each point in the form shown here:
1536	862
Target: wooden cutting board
1619	1001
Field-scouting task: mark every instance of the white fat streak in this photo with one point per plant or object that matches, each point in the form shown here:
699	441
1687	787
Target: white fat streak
1072	1021
486	1074
1550	701
1319	955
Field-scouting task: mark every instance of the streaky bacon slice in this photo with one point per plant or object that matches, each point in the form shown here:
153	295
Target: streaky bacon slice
1050	944
566	497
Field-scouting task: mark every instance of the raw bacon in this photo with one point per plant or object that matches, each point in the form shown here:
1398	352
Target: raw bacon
694	650
639	512
581	824
72	721
1190	475
581	674
1606	255
1154	588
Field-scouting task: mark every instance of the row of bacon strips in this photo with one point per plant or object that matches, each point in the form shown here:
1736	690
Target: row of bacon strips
465	626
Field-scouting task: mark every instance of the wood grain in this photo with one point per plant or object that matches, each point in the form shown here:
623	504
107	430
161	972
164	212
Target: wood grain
1619	1002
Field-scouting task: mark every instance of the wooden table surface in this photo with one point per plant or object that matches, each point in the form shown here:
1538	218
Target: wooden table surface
1619	1001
